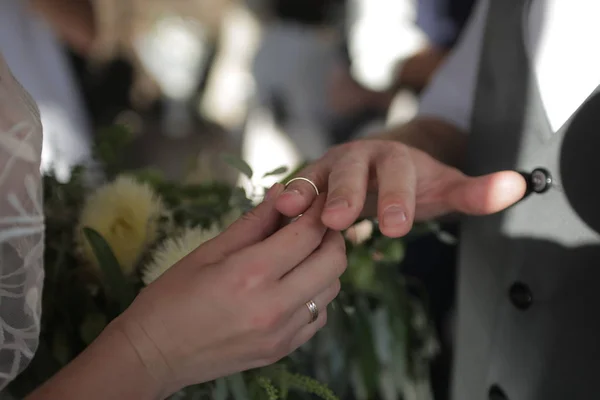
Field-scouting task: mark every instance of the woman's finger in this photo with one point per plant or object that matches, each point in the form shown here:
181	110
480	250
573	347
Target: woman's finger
285	249
308	331
249	229
397	190
316	273
302	315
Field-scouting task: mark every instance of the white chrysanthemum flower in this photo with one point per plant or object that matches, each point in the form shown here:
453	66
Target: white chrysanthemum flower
172	250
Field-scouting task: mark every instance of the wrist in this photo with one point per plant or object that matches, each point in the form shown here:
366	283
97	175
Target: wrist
153	364
109	368
145	383
440	139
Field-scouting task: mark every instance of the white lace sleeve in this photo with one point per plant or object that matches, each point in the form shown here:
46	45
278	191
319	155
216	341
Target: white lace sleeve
21	227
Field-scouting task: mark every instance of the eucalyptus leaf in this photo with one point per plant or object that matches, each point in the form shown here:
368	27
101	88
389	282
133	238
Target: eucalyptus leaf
294	172
238	164
60	348
92	326
220	390
237	387
114	279
365	347
276	171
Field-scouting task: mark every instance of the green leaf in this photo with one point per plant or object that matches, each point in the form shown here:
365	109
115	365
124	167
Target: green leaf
391	249
60	348
238	164
237	386
240	200
293	173
92	326
116	283
361	269
220	391
276	171
365	348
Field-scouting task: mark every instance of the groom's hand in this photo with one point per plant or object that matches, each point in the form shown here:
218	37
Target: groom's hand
397	183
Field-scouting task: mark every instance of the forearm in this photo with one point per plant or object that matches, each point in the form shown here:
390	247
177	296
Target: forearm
72	20
440	139
416	71
108	369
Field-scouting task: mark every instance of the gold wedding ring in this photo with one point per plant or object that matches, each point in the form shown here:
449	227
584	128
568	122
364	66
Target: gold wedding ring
300	178
314	311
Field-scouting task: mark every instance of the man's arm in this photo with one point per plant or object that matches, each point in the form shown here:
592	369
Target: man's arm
441	140
72	20
443	121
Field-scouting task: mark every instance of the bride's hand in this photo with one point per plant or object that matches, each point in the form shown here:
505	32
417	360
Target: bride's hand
239	301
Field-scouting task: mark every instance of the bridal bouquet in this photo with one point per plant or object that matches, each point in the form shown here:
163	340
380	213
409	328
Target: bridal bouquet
106	240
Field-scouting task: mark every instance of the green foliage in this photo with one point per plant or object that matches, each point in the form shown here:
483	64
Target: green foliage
238	164
114	280
346	358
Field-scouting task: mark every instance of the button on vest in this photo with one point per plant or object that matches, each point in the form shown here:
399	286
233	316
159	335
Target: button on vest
520	295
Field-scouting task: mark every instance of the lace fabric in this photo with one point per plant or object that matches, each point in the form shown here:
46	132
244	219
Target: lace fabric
21	227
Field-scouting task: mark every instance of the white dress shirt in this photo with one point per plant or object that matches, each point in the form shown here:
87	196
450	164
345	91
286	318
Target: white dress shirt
561	42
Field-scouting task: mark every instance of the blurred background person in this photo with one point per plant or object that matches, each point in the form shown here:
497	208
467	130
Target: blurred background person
35	54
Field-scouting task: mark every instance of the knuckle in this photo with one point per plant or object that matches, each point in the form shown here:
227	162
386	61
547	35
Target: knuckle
266	320
337	287
252	275
251	216
323	320
340	264
312	229
352	147
273	349
339	242
393	154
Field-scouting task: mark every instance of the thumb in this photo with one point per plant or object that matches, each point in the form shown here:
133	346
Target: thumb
251	228
487	194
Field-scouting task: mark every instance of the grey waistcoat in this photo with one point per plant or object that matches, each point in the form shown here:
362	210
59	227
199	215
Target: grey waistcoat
529	280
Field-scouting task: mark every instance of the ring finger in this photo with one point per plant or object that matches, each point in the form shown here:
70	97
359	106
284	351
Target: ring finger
302	316
299	194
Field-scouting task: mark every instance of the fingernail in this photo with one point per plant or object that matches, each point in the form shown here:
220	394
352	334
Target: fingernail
291	192
273	192
337	203
394	215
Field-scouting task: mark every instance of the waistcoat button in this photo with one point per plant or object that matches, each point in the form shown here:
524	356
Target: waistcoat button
496	393
520	295
540	180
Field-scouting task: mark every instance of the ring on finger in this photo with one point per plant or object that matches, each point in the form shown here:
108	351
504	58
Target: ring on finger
300	178
314	311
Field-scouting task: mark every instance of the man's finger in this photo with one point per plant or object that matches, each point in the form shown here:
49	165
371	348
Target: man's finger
347	190
251	228
285	249
487	194
299	194
397	190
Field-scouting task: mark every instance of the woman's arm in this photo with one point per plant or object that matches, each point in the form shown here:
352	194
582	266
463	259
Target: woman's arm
110	368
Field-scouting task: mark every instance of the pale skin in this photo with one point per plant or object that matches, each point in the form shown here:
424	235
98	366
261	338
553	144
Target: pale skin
235	303
404	175
257	285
